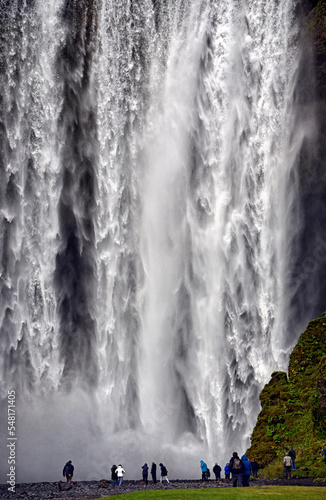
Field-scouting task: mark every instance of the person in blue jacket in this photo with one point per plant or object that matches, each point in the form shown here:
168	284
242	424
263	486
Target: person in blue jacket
203	467
227	471
246	471
68	471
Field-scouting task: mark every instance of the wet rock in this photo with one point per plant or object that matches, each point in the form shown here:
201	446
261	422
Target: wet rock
90	490
64	486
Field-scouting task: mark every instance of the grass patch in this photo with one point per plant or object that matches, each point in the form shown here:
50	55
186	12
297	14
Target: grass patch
265	492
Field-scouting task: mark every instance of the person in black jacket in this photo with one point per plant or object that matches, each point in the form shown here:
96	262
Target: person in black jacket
292	455
217	471
153	472
68	471
254	466
114	475
236	468
145	473
164	473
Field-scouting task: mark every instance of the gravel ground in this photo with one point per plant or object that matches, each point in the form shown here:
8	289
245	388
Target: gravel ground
89	490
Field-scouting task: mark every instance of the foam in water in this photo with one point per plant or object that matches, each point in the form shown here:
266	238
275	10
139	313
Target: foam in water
149	209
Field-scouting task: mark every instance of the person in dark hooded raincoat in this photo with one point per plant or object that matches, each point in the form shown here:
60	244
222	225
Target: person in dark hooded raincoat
145	473
68	471
246	471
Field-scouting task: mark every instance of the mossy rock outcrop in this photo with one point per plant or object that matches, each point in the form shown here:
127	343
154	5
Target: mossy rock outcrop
319	401
294	408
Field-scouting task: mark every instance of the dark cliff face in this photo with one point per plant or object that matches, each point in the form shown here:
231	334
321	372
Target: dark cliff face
309	279
294	408
316	28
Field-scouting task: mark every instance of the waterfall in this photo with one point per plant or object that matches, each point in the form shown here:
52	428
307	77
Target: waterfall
149	225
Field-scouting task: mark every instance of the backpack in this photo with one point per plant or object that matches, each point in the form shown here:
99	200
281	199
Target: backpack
237	464
208	473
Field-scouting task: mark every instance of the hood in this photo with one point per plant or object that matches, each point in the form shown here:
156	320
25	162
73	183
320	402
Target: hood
244	457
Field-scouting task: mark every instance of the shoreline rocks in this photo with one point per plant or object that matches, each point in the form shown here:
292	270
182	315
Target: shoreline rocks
90	490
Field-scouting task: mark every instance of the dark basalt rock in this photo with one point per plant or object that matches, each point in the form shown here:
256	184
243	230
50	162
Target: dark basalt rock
64	486
90	490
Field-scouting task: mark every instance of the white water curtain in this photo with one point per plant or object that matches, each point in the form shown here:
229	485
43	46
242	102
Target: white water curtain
149	211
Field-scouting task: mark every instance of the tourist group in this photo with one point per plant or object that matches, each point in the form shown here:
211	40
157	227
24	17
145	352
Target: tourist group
237	469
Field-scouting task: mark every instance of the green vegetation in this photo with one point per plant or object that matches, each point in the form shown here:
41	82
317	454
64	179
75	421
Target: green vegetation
294	409
268	493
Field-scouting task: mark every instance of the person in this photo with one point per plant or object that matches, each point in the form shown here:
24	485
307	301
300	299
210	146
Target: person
203	467
68	471
145	473
292	455
324	452
164	473
227	471
236	468
114	475
120	472
153	472
217	471
247	470
287	466
254	467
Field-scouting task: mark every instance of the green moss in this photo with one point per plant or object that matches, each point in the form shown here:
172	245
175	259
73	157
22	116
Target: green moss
294	409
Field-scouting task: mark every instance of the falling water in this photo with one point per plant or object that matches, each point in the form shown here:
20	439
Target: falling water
149	214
